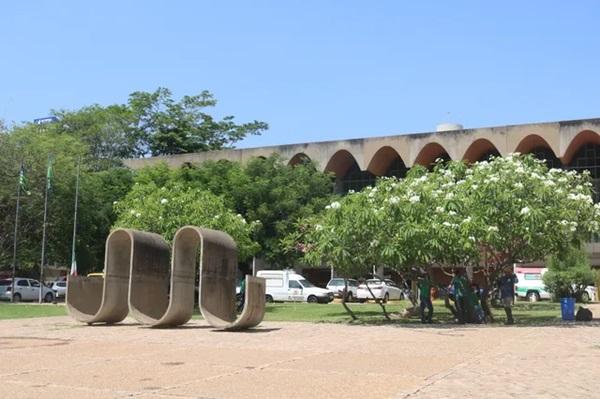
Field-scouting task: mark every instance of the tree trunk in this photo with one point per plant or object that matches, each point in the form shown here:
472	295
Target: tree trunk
344	296
379	302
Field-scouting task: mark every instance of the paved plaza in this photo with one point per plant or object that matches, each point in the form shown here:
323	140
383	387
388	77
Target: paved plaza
56	357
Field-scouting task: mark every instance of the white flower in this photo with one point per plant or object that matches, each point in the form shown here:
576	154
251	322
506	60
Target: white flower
439	209
115	202
335	205
467	220
519	185
449	196
573	229
447	224
492	228
164	201
494	179
549	183
452	213
472	238
524	211
414	199
318	227
394	200
351	191
132	211
137	215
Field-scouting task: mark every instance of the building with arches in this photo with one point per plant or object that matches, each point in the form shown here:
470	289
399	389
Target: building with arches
573	144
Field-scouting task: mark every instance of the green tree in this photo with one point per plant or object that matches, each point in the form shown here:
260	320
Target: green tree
167	126
569	273
165	209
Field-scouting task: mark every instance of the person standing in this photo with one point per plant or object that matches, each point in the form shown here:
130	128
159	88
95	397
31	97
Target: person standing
506	284
424	286
459	283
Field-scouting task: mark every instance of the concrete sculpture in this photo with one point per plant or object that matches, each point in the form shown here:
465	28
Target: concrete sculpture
138	279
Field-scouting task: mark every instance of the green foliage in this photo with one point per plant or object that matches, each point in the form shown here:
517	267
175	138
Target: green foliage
165	209
174	127
569	273
151	123
491	214
265	190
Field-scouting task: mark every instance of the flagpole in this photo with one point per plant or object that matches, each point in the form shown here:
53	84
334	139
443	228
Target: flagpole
73	260
14	260
44	231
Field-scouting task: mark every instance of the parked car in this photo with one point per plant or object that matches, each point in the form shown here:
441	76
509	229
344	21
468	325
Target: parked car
4	284
286	285
337	285
382	289
27	289
59	288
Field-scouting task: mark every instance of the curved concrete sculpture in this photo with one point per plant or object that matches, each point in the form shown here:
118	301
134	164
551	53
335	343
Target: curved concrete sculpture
162	297
105	300
218	265
137	278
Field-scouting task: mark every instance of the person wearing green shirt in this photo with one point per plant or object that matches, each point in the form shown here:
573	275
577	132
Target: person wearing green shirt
424	286
459	283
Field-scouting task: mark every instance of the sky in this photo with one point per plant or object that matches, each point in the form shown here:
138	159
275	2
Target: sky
313	70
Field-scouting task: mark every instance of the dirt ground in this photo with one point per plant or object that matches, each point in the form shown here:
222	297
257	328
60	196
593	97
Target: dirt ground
56	357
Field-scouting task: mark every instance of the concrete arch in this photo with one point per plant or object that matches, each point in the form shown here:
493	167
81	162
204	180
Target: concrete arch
531	142
582	138
340	163
299	158
429	153
480	150
383	159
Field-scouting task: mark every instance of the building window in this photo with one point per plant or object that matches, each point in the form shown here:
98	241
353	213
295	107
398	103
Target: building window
357	179
588	158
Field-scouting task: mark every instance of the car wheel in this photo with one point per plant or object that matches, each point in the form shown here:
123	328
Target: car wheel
585	297
49	297
312	299
386	298
533	296
349	297
268	299
17	298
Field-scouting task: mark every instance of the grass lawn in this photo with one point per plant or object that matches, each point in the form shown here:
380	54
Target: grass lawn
23	311
368	313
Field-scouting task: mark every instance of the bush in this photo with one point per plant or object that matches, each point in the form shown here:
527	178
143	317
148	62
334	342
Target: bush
569	273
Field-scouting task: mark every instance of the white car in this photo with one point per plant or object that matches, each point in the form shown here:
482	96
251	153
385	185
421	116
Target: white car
337	285
286	285
59	288
27	289
382	289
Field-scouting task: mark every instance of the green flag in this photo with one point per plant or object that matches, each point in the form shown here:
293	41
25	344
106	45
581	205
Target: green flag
22	179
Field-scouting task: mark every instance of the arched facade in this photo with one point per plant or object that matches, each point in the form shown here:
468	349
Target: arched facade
300	158
480	150
387	162
429	153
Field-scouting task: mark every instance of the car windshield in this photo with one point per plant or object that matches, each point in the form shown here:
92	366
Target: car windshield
61	284
374	282
306	283
336	282
5	282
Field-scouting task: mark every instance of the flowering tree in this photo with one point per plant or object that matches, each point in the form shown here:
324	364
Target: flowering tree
488	215
164	210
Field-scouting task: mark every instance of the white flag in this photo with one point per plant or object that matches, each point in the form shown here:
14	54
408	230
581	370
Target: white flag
74	268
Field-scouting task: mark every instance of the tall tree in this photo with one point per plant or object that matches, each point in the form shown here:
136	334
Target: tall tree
174	127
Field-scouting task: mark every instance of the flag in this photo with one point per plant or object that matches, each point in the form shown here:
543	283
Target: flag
22	178
49	174
73	267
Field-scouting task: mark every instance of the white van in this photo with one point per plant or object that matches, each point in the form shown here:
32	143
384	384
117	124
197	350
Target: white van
286	285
